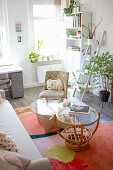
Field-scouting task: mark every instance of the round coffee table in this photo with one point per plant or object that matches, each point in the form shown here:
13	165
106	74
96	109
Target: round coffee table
44	112
77	133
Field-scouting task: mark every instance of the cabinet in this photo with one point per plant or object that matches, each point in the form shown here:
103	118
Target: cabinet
74	40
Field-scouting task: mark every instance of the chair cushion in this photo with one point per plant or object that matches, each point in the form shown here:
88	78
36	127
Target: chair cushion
54	84
52	94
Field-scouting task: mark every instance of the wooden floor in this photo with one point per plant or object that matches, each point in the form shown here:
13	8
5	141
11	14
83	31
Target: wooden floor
31	94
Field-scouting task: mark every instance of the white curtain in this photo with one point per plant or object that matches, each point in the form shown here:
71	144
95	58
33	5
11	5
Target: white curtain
5	32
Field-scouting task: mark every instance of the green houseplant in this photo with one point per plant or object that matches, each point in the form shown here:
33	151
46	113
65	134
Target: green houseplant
72	5
34	56
102	69
91	29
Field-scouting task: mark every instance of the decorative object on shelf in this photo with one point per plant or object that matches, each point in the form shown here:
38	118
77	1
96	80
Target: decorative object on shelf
91	30
74	34
71	7
78	7
90	41
66	103
102	66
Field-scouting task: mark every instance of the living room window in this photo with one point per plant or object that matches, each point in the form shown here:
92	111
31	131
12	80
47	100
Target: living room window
45	21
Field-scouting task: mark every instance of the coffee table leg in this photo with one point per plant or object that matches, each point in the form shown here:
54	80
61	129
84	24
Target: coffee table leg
44	120
48	124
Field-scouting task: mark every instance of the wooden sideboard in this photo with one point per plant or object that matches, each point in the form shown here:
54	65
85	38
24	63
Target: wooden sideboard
112	93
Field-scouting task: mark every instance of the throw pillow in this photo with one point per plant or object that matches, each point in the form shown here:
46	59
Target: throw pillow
55	84
17	159
6	143
4	165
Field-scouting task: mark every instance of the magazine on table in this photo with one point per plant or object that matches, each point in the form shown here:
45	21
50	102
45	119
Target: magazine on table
80	109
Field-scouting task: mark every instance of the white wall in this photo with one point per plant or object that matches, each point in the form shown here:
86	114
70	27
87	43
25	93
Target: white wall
17	11
104	9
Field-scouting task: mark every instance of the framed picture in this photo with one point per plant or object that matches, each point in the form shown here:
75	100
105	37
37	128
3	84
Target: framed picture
19	39
18	27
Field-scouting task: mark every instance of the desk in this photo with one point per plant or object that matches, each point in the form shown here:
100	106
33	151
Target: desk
16	76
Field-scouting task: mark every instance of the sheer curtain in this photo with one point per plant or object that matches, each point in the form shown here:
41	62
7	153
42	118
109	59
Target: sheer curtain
4	28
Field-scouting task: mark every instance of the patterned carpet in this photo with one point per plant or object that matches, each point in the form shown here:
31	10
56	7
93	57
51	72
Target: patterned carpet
99	154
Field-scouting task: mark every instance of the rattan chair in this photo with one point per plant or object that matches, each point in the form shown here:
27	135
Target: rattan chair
55	94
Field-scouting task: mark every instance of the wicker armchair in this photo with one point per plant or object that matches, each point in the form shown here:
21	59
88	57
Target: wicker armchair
55	94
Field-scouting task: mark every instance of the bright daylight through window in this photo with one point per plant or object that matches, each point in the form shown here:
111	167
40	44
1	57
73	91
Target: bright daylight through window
45	29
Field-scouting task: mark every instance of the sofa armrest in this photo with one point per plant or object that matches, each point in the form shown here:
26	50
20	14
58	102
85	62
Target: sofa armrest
40	164
2	92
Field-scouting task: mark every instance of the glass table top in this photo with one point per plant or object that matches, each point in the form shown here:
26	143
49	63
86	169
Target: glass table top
71	118
41	107
63	113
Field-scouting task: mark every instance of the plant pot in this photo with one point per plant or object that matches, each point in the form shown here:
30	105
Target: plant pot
90	41
77	9
74	11
104	95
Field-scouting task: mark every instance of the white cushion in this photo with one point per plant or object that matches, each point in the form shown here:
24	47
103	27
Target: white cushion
54	84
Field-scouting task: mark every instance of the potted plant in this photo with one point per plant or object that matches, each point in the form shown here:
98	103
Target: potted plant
91	31
71	7
102	69
34	56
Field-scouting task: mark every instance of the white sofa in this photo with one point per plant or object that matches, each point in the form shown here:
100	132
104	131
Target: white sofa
11	125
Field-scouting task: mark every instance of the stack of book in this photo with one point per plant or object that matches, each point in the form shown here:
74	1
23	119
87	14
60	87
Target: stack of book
85	110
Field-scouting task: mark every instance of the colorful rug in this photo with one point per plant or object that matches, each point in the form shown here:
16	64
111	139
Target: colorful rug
30	122
76	164
99	154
